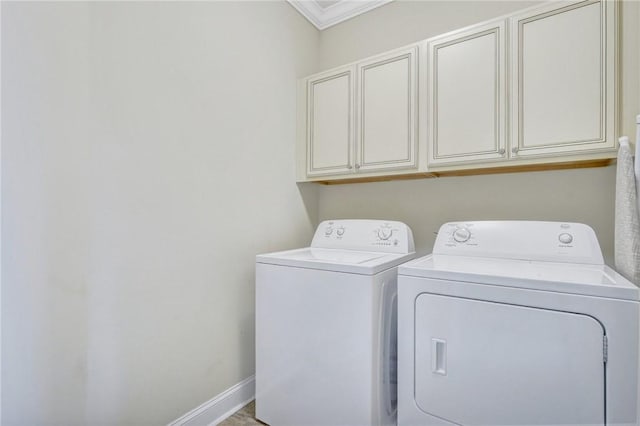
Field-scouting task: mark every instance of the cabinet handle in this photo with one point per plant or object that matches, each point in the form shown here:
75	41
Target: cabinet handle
349	167
357	166
502	151
514	149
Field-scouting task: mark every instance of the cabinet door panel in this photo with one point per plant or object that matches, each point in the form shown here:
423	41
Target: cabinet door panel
466	95
329	121
564	79
387	109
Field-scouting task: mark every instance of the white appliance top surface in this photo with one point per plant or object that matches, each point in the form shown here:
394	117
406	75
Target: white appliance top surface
335	255
350	261
591	280
352	246
530	256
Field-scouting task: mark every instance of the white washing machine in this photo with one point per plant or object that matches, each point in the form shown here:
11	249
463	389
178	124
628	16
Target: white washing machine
516	323
326	326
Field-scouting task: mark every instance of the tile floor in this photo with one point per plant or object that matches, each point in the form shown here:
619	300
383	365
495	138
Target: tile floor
246	416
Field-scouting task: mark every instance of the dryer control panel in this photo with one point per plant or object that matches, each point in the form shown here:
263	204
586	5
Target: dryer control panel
524	240
366	235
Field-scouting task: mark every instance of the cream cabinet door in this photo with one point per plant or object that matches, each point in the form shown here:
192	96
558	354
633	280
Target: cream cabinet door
330	122
387	111
563	79
466	95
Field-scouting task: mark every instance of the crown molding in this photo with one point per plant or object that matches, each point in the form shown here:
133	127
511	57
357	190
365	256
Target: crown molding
324	18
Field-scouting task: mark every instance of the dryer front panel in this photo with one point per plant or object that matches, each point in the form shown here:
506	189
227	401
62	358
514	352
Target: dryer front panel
487	363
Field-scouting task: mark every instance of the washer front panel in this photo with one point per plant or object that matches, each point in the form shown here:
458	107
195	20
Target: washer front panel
324	353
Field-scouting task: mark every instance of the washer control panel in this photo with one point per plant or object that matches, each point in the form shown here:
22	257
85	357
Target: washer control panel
366	235
526	240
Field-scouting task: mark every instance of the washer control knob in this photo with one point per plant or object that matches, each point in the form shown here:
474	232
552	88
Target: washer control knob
461	235
384	233
340	231
328	230
565	238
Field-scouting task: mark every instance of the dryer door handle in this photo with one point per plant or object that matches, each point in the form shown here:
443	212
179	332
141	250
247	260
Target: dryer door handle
439	356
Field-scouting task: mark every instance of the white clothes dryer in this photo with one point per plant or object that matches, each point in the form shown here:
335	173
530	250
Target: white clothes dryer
516	323
326	326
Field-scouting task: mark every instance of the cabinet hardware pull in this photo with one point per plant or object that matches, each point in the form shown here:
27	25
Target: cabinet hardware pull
349	167
514	149
502	151
357	166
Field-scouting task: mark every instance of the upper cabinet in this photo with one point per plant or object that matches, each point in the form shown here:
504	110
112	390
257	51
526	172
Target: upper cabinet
361	120
528	89
330	122
467	89
387	112
563	79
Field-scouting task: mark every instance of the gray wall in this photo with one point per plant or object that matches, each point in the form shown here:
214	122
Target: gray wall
147	157
585	195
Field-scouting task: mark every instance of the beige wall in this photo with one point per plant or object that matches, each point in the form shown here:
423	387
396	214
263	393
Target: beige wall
148	155
573	195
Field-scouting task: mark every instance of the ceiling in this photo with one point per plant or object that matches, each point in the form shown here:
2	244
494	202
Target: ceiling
325	13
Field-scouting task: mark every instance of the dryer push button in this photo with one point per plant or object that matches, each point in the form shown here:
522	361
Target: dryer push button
565	238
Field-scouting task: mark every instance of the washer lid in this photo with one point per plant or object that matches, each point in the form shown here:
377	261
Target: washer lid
351	261
574	278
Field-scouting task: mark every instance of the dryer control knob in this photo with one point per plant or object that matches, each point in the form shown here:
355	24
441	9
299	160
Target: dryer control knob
565	238
384	233
461	235
328	230
340	231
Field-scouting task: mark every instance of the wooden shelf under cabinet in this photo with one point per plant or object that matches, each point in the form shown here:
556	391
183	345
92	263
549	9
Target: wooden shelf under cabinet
481	171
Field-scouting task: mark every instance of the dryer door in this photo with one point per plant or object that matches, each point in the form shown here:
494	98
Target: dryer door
486	363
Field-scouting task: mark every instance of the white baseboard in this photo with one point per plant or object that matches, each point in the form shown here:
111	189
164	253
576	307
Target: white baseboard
221	406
